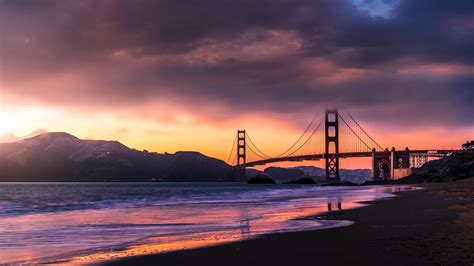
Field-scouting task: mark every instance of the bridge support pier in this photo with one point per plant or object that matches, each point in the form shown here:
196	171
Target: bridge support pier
400	163
390	164
393	162
381	165
374	165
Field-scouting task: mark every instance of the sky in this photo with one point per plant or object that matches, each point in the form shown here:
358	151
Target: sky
185	75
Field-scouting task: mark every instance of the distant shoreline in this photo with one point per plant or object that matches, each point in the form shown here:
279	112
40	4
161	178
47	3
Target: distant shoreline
429	226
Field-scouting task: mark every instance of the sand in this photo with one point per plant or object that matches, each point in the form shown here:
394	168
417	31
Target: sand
424	227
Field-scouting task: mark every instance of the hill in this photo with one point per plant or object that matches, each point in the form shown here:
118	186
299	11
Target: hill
319	174
61	157
354	175
459	165
283	174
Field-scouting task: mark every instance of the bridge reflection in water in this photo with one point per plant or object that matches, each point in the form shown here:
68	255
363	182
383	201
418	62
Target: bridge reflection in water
341	137
334	206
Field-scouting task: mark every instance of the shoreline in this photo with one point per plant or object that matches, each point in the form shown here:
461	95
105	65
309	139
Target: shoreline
301	221
428	226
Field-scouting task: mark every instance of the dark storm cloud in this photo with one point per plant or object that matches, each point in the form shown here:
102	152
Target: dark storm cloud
436	31
94	27
133	51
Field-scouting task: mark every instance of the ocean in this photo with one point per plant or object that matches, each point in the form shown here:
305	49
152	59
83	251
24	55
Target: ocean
91	222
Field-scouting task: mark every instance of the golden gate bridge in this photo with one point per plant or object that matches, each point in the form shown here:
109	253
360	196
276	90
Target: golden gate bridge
334	136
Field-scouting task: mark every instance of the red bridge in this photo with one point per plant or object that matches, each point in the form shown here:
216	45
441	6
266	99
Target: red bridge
336	140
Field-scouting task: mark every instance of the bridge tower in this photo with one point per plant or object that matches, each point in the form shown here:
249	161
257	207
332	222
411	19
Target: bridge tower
332	138
241	155
241	148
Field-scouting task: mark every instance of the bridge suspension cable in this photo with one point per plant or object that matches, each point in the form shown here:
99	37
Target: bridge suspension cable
301	136
310	136
362	129
262	154
352	130
232	151
258	155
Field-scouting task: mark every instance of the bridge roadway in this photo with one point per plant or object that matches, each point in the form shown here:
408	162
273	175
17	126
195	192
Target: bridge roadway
315	157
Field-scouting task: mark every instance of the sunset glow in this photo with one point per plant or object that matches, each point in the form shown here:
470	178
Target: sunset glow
236	132
105	82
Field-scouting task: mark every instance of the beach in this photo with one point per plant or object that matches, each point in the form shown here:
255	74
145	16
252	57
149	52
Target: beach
433	225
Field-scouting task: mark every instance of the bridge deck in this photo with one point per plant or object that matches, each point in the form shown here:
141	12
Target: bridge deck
315	157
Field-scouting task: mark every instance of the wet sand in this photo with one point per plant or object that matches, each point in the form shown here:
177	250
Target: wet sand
424	227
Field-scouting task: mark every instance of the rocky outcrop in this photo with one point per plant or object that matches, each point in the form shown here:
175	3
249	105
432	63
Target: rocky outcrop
339	184
261	179
302	181
283	174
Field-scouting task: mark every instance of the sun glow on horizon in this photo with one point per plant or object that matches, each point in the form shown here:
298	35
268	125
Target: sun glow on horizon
7	123
184	131
162	127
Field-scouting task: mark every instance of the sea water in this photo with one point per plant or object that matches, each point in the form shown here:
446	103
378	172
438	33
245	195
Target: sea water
90	222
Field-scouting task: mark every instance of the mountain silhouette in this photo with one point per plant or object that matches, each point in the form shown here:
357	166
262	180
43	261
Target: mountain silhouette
62	157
